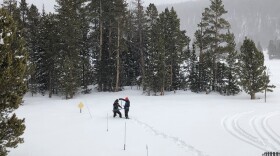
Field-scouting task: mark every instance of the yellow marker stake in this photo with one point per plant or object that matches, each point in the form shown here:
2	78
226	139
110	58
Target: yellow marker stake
81	106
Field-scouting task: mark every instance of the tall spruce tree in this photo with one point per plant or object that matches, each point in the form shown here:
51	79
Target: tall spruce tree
105	65
13	62
272	49
70	36
86	50
48	73
140	38
12	9
23	9
154	51
32	31
95	16
130	58
109	18
194	76
252	74
231	76
212	38
175	41
136	40
120	13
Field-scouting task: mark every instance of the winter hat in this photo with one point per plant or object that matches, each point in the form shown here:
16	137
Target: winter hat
117	100
126	98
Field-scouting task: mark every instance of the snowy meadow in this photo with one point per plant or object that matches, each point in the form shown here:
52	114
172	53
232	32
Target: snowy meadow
177	124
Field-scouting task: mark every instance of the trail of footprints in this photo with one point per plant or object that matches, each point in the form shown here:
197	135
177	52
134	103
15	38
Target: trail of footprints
263	136
179	142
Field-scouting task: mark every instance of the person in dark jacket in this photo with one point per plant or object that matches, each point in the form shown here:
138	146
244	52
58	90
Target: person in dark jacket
126	106
116	109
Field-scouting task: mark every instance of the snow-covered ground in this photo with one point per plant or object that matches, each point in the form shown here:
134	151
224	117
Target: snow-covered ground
180	124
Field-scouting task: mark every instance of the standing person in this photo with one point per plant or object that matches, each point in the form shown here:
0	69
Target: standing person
116	107
126	106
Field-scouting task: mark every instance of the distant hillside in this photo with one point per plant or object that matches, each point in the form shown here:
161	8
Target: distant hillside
257	19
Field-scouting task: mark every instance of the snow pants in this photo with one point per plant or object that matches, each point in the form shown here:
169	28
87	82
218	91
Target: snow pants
117	112
126	113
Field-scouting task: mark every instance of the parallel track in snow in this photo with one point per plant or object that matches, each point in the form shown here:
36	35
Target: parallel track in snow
266	138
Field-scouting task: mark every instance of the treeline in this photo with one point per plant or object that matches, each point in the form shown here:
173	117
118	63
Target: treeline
104	43
257	19
274	49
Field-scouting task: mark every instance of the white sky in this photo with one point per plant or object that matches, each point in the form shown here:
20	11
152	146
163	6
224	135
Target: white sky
50	3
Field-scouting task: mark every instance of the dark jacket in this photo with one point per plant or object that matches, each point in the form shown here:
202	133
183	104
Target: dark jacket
116	106
127	103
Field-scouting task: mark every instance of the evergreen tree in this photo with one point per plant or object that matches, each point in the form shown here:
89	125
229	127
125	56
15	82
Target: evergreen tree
120	17
109	31
86	52
130	58
231	75
70	36
32	31
11	7
152	38
252	74
136	41
193	77
13	61
23	9
155	60
48	66
212	38
272	49
95	13
221	77
174	40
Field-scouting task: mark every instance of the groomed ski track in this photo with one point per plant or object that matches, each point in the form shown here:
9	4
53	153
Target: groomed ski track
261	135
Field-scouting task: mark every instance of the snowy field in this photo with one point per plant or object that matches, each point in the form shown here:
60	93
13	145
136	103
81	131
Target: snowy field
181	124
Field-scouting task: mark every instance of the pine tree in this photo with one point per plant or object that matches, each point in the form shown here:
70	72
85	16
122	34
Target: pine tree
70	47
11	7
212	37
136	41
95	13
130	59
155	72
86	51
120	13
152	17
140	37
272	49
13	61
23	8
193	77
251	69
48	73
32	31
221	77
232	87
174	40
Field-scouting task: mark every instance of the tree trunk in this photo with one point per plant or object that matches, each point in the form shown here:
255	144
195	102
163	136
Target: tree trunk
141	42
253	96
100	86
118	60
50	85
101	32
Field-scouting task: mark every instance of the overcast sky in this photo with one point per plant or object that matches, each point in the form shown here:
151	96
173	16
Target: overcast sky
49	4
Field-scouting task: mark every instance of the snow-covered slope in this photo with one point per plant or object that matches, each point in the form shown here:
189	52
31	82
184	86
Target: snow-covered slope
180	124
